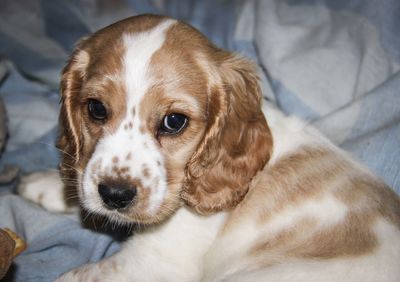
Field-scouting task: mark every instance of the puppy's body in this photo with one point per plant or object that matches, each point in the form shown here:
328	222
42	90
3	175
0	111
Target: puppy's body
312	214
228	197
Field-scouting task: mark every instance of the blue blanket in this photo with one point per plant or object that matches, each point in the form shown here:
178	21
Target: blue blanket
333	63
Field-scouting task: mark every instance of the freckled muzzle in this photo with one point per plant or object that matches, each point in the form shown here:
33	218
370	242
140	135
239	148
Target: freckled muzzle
117	196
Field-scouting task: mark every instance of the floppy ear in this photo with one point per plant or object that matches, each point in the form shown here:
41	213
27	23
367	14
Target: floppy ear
236	145
69	137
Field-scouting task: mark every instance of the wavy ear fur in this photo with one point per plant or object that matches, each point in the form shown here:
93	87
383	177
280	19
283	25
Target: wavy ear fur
70	136
236	145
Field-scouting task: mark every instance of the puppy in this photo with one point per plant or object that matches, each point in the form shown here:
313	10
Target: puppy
161	128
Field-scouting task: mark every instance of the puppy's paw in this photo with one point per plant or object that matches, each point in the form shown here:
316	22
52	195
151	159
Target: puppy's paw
46	189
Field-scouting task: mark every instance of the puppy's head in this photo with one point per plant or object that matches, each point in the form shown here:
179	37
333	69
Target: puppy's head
154	116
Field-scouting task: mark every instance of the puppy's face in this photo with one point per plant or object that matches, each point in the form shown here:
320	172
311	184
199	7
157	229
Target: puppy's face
149	122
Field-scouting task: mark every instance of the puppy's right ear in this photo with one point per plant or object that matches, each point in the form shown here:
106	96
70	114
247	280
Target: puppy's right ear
70	134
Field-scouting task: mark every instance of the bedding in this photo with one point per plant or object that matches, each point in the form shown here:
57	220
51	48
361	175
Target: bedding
334	63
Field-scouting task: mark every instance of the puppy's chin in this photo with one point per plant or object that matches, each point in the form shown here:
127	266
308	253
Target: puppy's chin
136	213
135	216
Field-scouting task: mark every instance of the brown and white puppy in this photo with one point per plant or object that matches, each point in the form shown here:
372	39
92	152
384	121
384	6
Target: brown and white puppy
160	127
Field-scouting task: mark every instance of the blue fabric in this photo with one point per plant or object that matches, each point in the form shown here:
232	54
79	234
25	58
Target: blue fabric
375	134
56	243
334	63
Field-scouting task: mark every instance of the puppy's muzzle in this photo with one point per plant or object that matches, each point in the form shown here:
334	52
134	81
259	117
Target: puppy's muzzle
116	196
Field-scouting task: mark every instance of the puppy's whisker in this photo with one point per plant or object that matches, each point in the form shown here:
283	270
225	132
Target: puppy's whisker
58	149
72	197
70	167
70	181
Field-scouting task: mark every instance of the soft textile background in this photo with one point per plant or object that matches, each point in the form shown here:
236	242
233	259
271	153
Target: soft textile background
334	63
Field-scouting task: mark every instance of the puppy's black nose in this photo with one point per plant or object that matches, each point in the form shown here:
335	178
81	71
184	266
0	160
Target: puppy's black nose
116	196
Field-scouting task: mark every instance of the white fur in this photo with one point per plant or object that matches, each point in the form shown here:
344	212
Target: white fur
290	133
172	252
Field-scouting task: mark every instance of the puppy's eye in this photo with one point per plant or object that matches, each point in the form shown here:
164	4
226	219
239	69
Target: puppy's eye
173	123
97	110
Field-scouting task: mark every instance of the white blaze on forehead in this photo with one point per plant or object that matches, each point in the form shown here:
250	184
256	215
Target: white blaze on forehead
139	49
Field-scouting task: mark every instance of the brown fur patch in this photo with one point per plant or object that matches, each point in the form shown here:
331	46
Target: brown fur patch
120	172
371	195
115	159
308	174
352	237
298	177
146	171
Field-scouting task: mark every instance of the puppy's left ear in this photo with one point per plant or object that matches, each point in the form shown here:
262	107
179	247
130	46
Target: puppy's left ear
237	142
